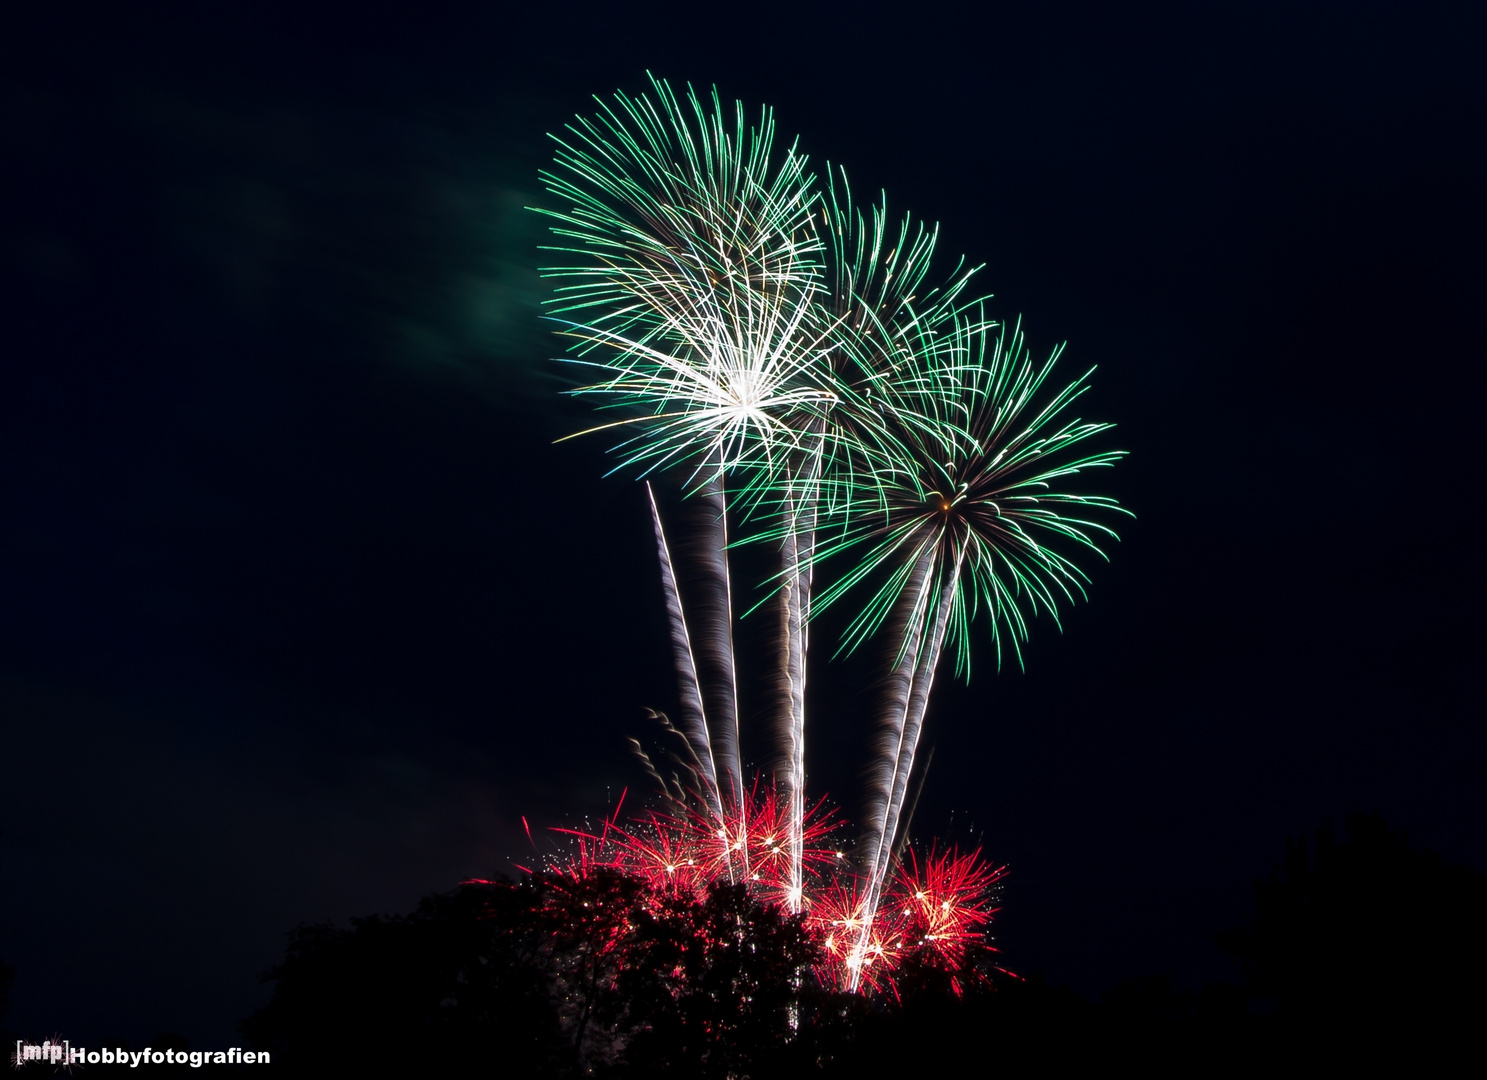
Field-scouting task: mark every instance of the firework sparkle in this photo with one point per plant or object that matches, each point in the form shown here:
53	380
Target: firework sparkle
933	910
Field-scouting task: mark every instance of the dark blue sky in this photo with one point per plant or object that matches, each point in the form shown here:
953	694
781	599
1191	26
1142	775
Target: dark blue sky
301	609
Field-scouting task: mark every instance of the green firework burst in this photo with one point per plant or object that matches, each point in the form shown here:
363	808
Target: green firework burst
693	288
976	500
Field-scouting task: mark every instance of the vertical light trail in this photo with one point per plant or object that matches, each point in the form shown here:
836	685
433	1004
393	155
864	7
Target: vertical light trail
715	648
877	841
917	670
797	550
791	769
923	682
694	716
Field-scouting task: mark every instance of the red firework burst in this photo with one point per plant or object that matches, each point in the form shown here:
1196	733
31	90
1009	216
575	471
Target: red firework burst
689	850
943	902
933	910
836	919
762	830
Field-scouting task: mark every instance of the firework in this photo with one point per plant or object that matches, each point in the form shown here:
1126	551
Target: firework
695	282
876	310
975	515
687	848
791	356
977	487
943	902
693	298
934	910
701	291
932	914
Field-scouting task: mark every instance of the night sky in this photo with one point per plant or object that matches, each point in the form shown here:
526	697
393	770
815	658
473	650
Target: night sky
301	608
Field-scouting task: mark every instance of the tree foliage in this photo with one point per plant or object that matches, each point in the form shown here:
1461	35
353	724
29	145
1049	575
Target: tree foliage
1365	934
550	976
1360	948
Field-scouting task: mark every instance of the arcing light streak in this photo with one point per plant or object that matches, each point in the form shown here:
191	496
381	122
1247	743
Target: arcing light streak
795	602
694	716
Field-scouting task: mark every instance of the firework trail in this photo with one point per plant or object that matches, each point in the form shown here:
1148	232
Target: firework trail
710	705
694	717
713	591
795	600
972	515
796	538
900	723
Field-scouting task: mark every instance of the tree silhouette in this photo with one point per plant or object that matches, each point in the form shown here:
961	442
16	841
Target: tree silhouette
1359	948
443	985
1366	943
551	976
716	985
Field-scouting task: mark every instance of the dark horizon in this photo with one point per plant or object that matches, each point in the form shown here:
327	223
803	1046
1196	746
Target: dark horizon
303	609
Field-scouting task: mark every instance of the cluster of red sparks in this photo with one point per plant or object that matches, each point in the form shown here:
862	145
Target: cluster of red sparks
931	911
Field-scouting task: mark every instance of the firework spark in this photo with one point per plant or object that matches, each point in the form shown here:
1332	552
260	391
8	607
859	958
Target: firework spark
934	910
944	901
688	848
